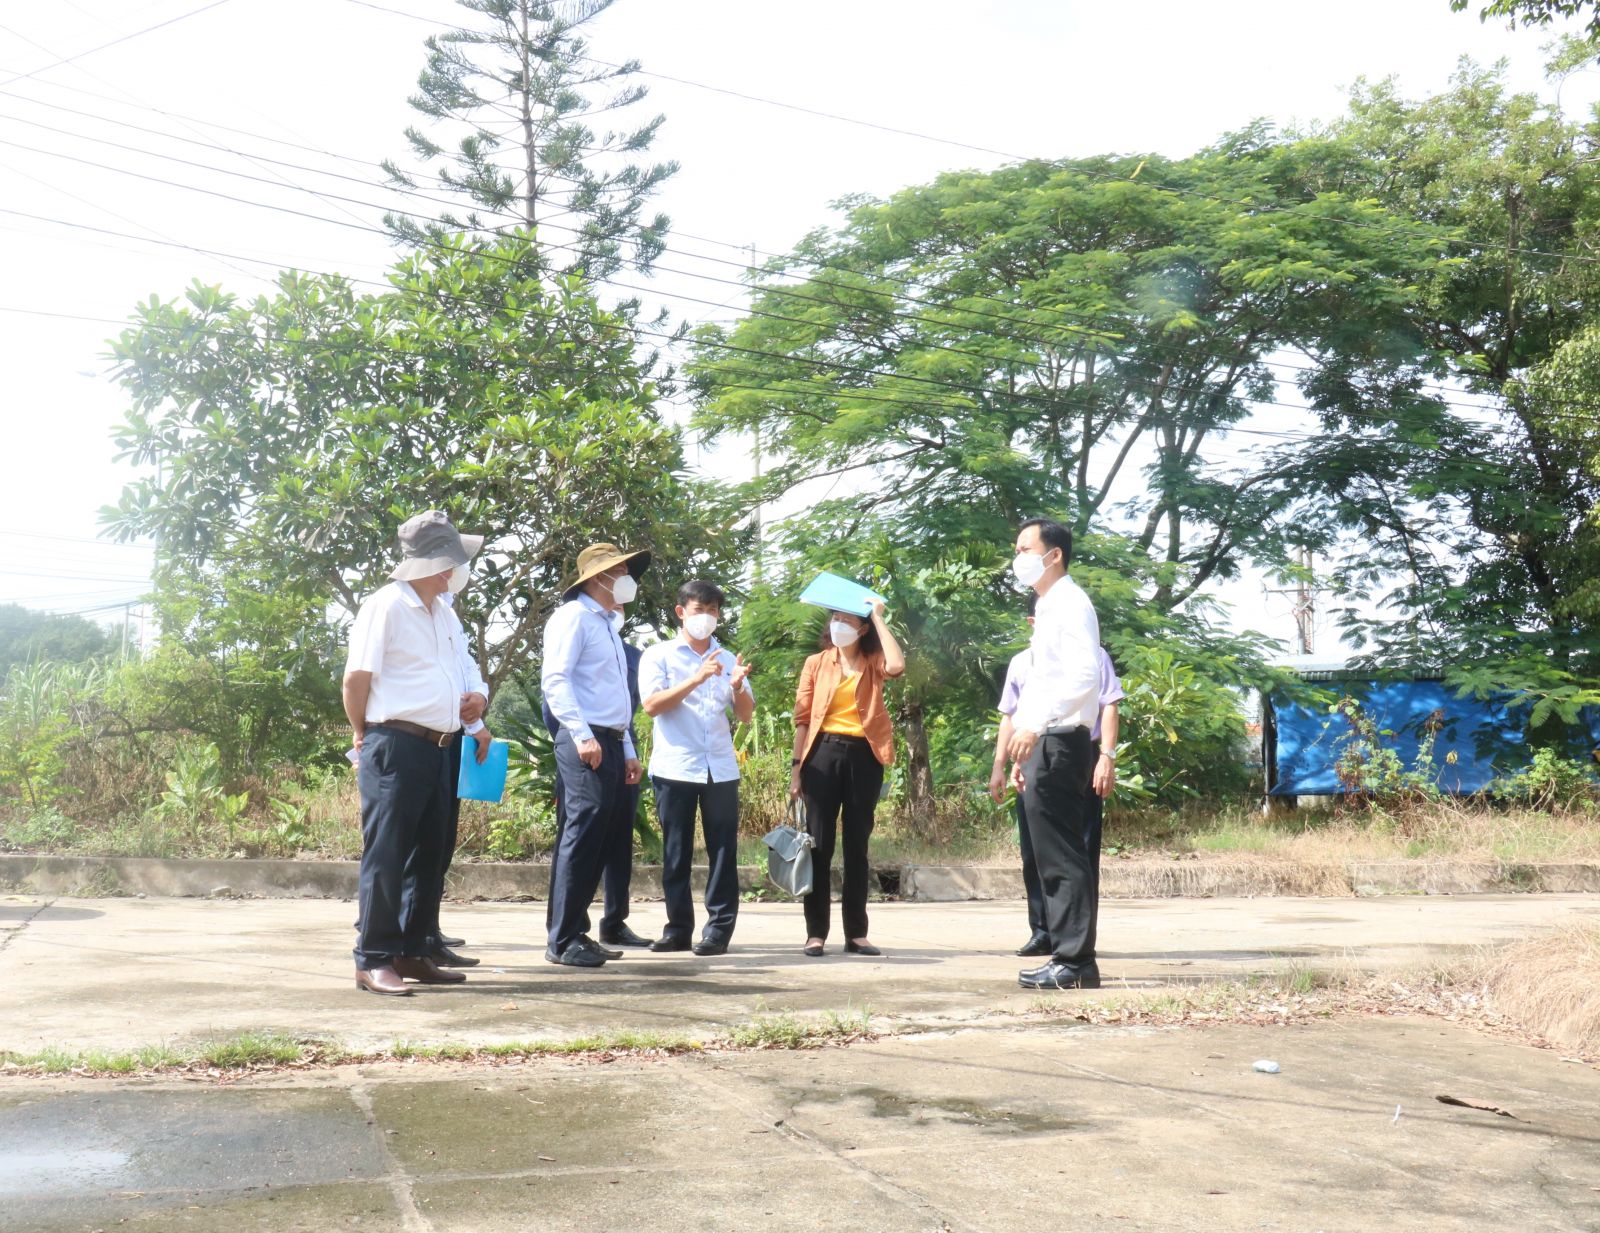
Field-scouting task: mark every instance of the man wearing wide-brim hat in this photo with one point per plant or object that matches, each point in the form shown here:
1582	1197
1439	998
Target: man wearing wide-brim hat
409	686
585	684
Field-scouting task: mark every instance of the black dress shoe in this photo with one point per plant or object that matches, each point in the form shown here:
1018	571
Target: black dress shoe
1038	944
605	952
577	955
452	941
447	958
861	948
705	946
814	951
669	942
622	936
1055	975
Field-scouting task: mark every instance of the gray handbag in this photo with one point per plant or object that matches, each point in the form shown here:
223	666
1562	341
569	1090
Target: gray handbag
789	855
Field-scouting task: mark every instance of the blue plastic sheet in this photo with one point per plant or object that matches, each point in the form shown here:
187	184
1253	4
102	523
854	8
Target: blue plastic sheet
1486	736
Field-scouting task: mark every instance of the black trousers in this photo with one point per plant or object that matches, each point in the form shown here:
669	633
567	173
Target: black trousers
408	791
1063	817
616	866
677	801
595	802
1031	885
1030	873
840	783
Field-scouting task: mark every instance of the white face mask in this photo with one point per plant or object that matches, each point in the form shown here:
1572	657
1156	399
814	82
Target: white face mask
458	579
1028	568
624	589
843	633
700	626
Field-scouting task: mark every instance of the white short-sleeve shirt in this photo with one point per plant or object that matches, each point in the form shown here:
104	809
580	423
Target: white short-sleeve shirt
692	742
418	658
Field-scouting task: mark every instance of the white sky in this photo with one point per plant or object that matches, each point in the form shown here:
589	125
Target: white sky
1055	78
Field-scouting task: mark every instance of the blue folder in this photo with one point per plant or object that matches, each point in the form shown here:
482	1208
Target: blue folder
839	595
485	782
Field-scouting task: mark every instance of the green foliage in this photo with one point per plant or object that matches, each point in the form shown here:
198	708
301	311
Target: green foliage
27	637
294	433
1372	771
1551	782
527	58
1183	731
1534	12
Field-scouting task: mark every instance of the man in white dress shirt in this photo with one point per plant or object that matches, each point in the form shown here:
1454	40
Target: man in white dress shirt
585	684
689	686
1055	714
409	685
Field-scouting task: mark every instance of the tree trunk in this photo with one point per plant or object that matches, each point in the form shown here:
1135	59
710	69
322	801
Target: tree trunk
919	771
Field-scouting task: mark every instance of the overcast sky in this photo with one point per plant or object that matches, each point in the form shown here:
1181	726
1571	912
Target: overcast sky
1053	78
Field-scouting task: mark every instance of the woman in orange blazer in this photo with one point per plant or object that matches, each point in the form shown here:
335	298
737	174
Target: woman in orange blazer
842	741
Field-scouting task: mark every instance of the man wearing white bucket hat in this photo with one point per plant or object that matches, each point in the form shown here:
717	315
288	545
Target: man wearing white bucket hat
409	685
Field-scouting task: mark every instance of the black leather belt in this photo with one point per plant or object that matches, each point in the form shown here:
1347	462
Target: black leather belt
441	739
842	739
614	734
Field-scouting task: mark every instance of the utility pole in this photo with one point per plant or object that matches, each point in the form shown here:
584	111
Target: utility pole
757	451
1304	610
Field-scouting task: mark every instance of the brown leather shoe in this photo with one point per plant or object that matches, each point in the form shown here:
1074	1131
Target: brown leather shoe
425	971
382	980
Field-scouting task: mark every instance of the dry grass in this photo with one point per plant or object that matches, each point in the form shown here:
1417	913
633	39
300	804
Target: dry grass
1543	991
1551	986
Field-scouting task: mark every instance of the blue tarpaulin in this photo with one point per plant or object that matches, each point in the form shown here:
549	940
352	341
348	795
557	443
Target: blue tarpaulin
1487	736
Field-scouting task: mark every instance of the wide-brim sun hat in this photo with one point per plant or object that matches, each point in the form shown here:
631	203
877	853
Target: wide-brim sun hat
596	559
430	544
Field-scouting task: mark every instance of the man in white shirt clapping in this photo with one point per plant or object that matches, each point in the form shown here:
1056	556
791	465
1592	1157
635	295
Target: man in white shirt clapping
409	685
1051	743
689	686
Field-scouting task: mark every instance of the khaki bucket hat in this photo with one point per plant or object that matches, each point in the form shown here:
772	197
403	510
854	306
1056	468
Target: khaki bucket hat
597	558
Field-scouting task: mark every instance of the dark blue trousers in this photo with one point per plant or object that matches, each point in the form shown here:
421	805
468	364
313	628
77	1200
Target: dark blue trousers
677	801
594	802
408	796
1064	816
447	847
616	867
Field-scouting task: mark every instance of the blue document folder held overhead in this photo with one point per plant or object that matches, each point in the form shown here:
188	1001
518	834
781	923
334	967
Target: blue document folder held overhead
485	781
839	595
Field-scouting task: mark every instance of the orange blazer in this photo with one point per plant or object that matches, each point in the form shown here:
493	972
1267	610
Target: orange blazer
820	677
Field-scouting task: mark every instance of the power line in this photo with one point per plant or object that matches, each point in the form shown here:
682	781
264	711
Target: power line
964	309
944	347
160	25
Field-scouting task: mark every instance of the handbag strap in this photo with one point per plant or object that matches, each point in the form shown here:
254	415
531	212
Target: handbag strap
797	815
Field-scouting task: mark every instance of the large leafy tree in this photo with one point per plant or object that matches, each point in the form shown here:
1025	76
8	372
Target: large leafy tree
515	114
1084	337
1496	557
293	433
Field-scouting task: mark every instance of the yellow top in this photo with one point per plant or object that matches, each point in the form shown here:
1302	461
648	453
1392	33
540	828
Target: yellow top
844	716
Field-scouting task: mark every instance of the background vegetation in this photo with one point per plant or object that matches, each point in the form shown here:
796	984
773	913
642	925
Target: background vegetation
1100	339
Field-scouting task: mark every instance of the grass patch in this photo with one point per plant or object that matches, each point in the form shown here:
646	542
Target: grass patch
1551	985
248	1051
786	1031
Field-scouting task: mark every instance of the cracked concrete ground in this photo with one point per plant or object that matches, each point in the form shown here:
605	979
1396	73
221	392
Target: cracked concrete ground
122	973
974	1122
969	1129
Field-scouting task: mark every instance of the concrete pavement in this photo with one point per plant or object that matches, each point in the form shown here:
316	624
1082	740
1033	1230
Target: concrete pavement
124	973
971	1130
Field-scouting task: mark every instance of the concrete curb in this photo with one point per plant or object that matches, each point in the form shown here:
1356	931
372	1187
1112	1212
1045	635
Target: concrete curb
1119	879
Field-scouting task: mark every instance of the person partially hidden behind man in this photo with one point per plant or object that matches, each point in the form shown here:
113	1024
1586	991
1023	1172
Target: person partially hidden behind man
690	685
409	685
584	680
